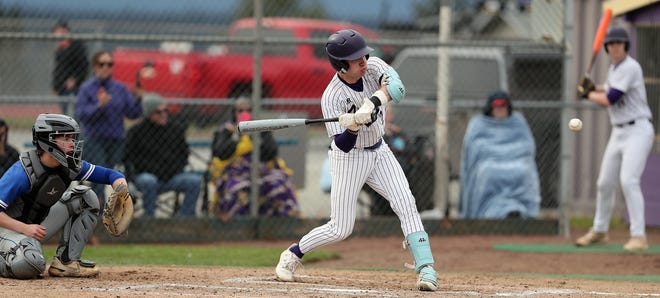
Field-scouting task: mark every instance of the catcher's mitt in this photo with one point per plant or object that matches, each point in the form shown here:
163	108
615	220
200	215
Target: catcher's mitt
118	211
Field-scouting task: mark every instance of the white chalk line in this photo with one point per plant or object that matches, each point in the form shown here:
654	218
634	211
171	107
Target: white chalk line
343	290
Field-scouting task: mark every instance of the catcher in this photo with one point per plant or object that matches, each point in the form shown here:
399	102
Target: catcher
36	203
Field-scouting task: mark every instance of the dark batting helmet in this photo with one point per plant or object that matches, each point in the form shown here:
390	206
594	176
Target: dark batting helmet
616	34
49	126
345	45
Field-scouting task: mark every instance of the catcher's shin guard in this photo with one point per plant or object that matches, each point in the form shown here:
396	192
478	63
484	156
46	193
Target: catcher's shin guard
420	249
84	204
23	261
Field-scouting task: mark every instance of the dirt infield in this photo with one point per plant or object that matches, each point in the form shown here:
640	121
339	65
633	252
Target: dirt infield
373	267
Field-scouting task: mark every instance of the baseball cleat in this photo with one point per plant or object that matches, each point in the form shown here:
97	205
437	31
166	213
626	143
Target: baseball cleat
427	279
288	264
72	269
592	237
636	244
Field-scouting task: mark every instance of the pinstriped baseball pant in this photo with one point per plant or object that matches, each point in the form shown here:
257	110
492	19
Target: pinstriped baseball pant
378	168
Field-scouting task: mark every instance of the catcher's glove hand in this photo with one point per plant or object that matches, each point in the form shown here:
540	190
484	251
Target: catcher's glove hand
586	86
118	211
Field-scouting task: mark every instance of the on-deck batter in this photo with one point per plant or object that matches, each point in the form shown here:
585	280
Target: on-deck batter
629	145
359	95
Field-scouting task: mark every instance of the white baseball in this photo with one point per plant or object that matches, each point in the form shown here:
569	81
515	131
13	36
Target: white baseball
575	124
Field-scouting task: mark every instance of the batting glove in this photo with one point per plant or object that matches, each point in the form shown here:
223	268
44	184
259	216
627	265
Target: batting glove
586	86
348	121
362	118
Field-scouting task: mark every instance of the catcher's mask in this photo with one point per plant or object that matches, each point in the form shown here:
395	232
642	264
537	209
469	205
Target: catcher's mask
345	45
47	127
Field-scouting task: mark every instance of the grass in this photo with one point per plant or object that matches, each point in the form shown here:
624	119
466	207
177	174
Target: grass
587	222
188	255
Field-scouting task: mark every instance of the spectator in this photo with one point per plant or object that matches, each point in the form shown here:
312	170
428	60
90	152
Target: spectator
156	154
232	155
71	64
8	154
101	106
499	178
35	204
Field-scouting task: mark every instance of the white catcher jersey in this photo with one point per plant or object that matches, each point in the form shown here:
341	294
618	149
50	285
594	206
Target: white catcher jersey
339	98
627	77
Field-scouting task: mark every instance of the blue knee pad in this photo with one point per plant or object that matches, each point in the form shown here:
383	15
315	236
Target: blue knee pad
420	248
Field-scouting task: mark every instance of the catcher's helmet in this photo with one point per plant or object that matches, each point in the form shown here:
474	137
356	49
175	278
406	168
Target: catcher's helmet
44	131
616	34
344	45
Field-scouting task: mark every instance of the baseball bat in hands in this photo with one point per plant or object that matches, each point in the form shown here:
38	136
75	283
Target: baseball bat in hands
274	124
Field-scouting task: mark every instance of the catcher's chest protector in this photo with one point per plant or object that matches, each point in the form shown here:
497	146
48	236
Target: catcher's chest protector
46	188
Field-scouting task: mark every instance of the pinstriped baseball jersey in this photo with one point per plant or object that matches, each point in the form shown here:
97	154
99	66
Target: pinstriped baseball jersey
339	98
627	77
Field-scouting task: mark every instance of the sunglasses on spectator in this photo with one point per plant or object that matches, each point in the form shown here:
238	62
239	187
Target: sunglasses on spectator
102	64
243	110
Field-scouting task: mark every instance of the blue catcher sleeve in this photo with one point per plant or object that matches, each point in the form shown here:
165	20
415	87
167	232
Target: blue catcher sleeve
394	85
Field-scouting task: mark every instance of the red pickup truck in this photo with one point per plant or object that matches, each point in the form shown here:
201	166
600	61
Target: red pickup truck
289	71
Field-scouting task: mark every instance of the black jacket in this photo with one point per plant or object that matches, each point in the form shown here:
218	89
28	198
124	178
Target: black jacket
70	62
160	150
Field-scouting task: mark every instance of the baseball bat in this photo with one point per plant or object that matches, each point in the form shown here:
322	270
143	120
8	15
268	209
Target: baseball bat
598	39
274	124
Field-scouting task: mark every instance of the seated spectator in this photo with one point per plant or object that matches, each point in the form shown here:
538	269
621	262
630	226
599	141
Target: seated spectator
8	154
156	155
499	178
230	170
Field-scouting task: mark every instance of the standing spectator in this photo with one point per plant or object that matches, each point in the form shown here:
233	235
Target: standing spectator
71	64
101	106
499	141
631	140
231	166
8	154
156	154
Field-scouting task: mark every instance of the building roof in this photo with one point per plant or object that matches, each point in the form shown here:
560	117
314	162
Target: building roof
620	7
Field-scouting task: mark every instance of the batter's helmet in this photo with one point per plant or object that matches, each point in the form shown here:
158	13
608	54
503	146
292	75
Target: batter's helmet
345	45
44	131
616	34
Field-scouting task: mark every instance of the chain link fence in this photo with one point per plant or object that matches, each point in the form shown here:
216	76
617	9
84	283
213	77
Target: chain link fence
201	60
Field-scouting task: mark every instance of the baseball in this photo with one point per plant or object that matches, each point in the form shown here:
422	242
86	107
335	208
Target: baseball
575	124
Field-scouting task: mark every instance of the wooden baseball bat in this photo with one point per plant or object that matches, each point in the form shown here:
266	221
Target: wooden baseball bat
274	124
598	39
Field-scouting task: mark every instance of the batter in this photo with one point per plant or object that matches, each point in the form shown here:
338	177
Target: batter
358	155
629	145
